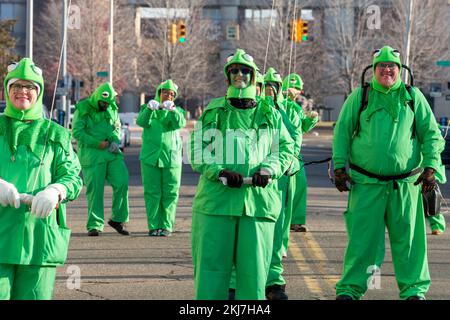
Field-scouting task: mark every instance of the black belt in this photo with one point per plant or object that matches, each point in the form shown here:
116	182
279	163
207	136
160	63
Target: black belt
386	178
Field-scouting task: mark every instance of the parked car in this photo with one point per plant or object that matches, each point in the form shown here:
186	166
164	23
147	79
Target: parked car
445	155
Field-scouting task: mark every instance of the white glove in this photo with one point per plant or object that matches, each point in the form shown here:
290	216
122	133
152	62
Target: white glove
46	200
169	105
312	114
153	105
9	196
114	147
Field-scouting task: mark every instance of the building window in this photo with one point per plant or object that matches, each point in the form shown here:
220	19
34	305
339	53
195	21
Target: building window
260	15
6	11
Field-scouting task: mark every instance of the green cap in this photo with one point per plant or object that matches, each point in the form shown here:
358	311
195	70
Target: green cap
104	92
241	57
386	54
273	76
167	85
25	69
293	81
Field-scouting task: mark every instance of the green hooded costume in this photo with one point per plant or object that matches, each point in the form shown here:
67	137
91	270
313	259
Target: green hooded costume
385	146
161	160
234	226
32	247
91	126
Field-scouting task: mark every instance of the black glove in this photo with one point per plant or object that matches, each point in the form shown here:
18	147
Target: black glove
427	179
260	180
234	179
341	178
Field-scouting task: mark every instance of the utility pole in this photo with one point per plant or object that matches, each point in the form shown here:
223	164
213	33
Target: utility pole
408	37
63	97
111	39
29	40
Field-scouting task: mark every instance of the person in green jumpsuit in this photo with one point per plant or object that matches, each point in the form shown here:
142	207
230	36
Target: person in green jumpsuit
39	166
293	87
276	284
96	127
161	157
236	137
386	149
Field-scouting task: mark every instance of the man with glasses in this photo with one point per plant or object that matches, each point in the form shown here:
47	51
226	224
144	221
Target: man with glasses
96	127
233	222
39	173
386	145
161	159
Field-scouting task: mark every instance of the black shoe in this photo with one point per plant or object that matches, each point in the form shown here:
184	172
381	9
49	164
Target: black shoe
415	298
231	294
165	233
154	233
118	226
276	292
344	297
94	233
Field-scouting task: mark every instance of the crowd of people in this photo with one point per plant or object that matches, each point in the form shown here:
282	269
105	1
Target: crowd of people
252	190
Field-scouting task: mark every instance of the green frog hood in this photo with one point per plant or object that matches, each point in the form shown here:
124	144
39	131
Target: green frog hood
293	81
386	54
167	85
106	93
272	76
25	69
241	57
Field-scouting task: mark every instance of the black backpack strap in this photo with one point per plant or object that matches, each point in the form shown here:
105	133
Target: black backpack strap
411	105
364	101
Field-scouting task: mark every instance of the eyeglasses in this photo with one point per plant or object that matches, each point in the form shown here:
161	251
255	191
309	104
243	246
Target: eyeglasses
383	66
17	87
168	93
243	70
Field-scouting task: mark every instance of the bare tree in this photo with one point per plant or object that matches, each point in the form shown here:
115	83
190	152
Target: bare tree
7	44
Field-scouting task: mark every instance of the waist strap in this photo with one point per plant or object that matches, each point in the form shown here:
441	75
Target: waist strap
385	178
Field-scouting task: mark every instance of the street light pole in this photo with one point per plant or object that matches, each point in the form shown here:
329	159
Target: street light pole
408	37
111	40
29	40
63	97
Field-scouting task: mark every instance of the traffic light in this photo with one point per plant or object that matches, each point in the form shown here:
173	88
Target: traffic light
181	32
172	35
304	30
293	31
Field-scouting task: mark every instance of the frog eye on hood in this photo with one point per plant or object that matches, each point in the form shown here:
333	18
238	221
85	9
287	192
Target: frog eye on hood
396	53
230	57
105	94
376	52
12	66
37	70
248	57
292	80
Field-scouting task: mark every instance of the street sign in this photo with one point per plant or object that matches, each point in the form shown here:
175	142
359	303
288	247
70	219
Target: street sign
61	91
443	63
102	74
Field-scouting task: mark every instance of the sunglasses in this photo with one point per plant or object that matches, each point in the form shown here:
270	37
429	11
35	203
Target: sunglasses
243	70
17	87
390	66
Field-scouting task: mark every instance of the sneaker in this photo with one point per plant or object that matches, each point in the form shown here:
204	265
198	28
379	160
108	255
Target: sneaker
436	232
165	233
276	292
94	233
344	297
299	228
118	226
415	298
231	294
154	233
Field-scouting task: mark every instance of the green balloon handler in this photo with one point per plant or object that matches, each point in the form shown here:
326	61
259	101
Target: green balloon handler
161	157
233	223
276	284
39	174
293	88
96	127
392	147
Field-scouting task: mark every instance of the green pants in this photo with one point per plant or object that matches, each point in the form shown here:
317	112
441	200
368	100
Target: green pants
218	242
299	202
116	174
19	282
161	189
437	222
281	233
371	208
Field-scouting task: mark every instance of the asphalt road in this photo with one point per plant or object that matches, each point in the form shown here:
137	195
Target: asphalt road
142	267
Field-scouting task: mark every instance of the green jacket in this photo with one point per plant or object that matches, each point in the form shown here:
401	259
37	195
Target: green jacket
25	239
90	127
161	141
307	122
241	140
384	145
